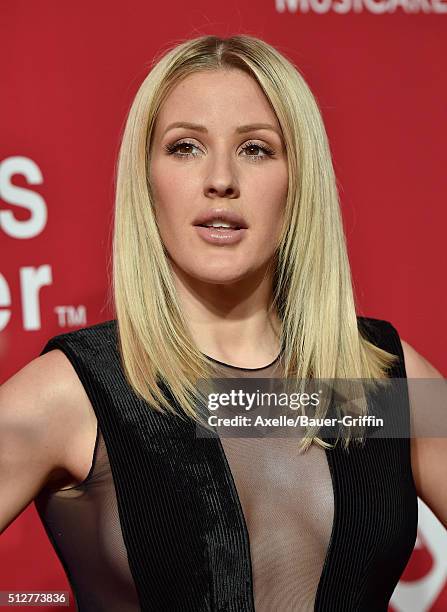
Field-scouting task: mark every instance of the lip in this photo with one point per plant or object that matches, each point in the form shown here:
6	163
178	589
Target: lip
221	214
220	236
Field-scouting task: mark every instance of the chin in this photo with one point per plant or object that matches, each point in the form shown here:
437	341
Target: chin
217	275
219	278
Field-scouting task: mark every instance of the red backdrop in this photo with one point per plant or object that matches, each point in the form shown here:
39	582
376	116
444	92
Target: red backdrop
72	70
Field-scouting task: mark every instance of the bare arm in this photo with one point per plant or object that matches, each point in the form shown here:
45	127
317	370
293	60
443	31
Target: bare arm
39	428
428	454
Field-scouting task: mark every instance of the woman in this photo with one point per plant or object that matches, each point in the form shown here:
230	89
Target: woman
101	429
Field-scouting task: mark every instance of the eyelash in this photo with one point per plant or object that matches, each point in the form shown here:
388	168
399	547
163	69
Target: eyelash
172	150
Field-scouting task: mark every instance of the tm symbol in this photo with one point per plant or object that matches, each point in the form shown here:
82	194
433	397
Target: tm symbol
71	316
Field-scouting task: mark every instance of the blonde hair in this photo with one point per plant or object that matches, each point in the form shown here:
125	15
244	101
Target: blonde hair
313	291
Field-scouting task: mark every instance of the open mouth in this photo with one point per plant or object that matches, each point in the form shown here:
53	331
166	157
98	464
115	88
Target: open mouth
225	228
222	235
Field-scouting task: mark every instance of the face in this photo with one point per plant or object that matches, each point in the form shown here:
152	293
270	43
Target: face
218	164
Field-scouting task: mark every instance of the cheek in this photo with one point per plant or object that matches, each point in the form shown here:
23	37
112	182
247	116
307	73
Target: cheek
171	193
271	202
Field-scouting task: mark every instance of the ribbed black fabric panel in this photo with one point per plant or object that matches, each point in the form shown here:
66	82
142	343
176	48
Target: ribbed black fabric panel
182	520
376	512
182	525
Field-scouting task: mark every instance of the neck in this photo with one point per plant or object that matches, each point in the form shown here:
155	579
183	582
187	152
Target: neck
231	322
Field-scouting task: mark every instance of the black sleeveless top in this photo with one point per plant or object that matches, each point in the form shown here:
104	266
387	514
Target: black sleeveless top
168	521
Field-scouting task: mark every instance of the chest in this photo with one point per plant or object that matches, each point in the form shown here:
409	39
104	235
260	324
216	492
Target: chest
224	519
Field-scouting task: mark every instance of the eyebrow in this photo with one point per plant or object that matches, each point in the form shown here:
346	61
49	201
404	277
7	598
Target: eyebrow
240	129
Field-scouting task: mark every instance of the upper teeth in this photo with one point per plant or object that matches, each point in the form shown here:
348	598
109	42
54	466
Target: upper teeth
219	224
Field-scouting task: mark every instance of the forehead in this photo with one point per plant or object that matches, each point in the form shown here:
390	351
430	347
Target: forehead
216	96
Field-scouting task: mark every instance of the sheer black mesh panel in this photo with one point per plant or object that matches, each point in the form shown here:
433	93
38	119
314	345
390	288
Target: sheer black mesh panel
83	525
288	504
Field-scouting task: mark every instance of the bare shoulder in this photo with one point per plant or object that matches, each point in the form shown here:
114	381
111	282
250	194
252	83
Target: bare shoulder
428	453
416	365
47	397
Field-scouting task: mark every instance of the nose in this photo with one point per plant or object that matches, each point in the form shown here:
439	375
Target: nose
221	182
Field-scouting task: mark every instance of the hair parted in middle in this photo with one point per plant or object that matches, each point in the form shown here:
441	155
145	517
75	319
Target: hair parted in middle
312	290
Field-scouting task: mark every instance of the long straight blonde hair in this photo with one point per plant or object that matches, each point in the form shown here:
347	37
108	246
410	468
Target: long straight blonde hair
313	292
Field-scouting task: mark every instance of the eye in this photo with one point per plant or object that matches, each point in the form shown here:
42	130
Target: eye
268	152
250	147
173	149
